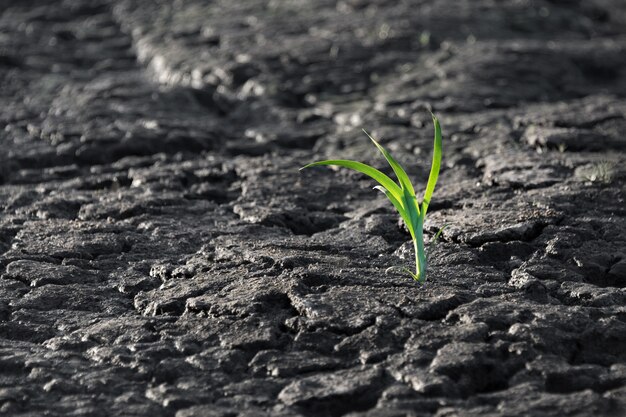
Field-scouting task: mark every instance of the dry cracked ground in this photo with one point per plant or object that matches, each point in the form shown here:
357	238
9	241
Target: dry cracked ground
161	255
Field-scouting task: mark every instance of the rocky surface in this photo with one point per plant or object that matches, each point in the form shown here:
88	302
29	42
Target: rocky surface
160	254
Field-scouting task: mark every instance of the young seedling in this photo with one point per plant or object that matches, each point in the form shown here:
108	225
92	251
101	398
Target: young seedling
402	195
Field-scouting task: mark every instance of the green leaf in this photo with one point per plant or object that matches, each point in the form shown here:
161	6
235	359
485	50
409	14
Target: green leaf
434	168
398	205
412	208
404	180
415	277
373	173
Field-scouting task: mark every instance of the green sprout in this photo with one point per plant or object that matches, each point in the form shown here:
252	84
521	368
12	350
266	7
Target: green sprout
402	195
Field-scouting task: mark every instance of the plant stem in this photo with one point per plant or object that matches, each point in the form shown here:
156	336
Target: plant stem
420	255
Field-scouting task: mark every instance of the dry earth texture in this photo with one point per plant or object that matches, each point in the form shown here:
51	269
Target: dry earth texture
160	254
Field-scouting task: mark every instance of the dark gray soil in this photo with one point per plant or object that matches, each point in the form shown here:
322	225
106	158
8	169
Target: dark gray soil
161	255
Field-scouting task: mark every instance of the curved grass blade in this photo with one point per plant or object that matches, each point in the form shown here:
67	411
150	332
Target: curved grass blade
373	173
412	208
434	168
405	270
415	277
401	210
404	180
